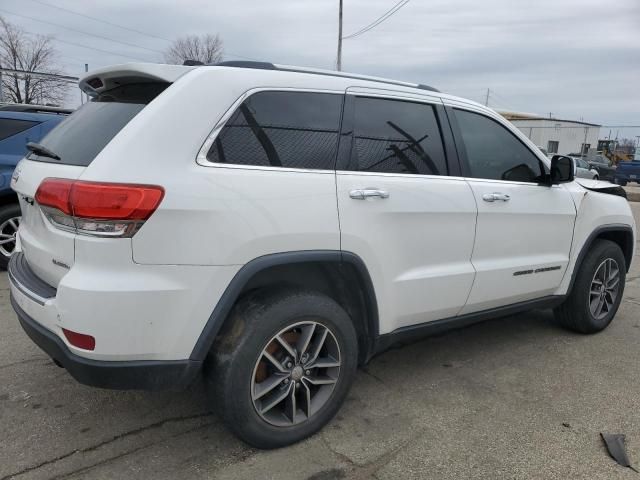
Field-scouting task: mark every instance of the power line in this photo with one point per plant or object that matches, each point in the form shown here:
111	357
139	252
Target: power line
227	53
100	20
502	100
100	50
40	74
379	20
110	52
81	31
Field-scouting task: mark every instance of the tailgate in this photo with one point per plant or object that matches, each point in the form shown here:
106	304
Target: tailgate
49	251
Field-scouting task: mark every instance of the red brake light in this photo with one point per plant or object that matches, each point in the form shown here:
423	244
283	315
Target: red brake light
95	208
80	340
55	192
114	201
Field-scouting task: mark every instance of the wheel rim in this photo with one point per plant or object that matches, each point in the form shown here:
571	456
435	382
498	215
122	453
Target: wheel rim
295	374
8	230
605	286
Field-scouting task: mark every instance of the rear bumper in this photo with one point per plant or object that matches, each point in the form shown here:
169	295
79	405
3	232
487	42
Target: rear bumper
121	375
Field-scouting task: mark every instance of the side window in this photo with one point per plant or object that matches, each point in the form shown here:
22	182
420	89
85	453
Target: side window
281	129
395	136
10	127
493	152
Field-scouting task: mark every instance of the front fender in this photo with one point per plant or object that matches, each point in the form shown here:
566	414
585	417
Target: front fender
597	213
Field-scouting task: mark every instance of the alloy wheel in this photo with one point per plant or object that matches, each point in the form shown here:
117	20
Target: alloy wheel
8	231
604	290
295	374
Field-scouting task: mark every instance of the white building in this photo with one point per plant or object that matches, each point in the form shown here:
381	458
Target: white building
556	135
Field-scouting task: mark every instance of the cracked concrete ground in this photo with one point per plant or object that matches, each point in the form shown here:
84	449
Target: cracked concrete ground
510	398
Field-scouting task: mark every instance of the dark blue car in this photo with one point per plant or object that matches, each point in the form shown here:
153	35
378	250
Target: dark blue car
628	172
19	124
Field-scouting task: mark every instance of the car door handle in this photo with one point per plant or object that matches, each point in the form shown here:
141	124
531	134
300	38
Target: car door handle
492	197
361	194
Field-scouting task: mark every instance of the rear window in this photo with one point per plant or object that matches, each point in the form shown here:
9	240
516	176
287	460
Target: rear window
83	135
10	127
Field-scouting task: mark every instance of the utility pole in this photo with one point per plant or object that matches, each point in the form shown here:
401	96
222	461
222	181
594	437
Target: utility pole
339	57
1	88
86	69
486	99
585	150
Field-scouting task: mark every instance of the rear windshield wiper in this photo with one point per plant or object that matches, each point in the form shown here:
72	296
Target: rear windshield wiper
42	150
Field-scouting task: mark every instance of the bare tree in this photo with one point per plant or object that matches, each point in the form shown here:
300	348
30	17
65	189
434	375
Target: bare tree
204	48
626	145
32	53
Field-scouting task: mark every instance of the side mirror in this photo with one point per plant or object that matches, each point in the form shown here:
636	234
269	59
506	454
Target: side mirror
563	169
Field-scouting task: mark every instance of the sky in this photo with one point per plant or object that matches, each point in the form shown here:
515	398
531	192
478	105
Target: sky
576	59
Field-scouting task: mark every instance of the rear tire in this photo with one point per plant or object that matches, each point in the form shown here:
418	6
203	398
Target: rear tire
241	366
9	221
597	291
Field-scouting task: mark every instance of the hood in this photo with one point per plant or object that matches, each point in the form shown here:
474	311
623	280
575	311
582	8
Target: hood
601	186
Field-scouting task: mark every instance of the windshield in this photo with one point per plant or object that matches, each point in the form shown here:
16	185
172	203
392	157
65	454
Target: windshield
83	135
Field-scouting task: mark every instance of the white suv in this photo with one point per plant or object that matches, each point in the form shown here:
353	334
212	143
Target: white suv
279	226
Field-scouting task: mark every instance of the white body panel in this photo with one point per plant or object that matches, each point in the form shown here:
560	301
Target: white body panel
533	230
42	243
416	244
229	216
594	210
135	312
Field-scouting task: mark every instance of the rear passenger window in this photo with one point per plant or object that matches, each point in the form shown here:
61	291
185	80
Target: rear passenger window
10	127
395	136
281	129
493	152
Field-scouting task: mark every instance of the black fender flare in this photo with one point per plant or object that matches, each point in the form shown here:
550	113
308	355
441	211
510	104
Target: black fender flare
614	227
248	271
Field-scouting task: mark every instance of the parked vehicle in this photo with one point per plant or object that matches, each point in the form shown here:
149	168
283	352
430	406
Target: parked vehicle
584	170
605	168
290	226
628	172
19	124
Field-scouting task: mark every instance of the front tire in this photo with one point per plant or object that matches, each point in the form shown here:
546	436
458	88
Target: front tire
597	291
10	216
283	366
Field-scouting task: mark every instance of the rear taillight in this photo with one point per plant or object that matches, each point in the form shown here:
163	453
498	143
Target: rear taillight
98	209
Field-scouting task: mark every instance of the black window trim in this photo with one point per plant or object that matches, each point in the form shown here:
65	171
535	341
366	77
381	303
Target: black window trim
345	162
201	157
462	152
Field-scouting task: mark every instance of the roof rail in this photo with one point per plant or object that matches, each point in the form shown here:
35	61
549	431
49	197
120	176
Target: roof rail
317	71
24	107
247	64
